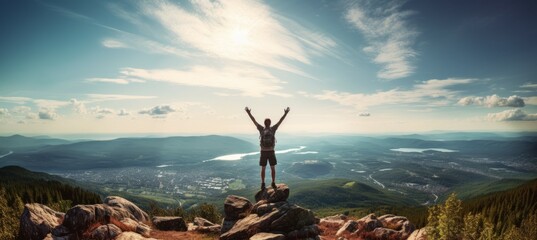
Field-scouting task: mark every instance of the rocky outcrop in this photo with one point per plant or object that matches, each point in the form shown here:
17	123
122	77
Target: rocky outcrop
37	221
170	223
370	227
272	214
114	218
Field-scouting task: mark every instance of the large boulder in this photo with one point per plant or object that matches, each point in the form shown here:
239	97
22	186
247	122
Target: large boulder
272	214
236	207
37	221
170	223
280	194
122	203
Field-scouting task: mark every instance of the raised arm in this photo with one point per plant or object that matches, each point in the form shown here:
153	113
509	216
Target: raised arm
248	110
283	117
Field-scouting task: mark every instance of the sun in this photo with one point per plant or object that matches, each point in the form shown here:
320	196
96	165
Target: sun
240	36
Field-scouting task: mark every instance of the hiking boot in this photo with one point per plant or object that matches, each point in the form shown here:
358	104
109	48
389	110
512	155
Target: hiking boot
274	185
262	186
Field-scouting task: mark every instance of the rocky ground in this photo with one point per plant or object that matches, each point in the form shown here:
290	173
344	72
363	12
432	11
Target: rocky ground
271	217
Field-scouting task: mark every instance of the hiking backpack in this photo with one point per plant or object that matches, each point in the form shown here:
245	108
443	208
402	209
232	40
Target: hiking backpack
267	138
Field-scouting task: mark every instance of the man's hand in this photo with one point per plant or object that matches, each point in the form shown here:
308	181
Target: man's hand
247	109
287	110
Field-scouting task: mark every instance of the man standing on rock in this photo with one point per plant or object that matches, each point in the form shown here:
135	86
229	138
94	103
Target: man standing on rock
267	143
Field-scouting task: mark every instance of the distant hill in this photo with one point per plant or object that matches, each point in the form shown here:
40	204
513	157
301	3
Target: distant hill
343	193
127	152
309	168
15	142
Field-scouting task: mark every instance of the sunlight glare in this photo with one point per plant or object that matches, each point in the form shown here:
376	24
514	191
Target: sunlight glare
240	36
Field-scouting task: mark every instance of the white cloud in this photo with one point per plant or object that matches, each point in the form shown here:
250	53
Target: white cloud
364	114
47	114
41	103
123	112
113	43
17	100
159	111
530	100
389	36
99	110
109	80
247	31
433	92
529	85
78	106
21	110
4	112
512	115
493	101
249	81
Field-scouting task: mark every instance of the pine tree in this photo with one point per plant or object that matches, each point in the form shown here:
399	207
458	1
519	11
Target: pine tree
432	222
450	222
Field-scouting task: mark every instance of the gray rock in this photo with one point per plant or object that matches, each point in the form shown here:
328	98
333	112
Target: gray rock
267	236
280	194
349	227
199	221
105	232
293	219
170	223
236	207
37	221
122	203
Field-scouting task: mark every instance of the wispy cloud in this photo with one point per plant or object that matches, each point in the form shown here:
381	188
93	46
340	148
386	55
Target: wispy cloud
364	114
246	31
249	81
431	92
112	43
512	115
529	85
388	34
493	101
115	97
109	80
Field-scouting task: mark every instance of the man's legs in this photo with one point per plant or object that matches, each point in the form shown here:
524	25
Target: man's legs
263	174
273	174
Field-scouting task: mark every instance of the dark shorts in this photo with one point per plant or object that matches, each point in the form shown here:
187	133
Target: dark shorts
267	155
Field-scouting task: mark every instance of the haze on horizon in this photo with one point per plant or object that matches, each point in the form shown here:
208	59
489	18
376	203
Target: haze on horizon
190	67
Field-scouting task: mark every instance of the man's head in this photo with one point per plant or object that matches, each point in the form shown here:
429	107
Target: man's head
267	122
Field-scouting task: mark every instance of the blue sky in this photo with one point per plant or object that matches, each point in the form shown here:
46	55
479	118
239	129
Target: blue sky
190	67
